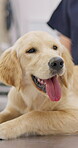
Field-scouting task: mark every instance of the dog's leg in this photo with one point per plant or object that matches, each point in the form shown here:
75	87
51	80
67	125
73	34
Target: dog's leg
8	114
42	123
15	106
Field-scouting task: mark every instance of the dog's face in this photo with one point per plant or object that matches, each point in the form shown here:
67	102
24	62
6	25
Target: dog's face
40	59
41	55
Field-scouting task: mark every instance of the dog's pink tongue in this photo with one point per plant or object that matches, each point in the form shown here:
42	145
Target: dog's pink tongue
53	89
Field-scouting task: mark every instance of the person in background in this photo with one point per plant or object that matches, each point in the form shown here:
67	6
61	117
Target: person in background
64	19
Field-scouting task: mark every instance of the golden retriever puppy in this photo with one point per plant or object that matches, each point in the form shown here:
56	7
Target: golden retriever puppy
44	96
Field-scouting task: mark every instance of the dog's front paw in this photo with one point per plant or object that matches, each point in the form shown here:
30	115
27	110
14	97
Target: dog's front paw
6	131
3	132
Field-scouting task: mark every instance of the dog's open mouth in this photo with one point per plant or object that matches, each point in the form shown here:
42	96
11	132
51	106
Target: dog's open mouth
50	86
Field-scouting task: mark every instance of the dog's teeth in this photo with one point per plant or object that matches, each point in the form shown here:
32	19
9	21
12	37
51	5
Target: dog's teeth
41	82
38	80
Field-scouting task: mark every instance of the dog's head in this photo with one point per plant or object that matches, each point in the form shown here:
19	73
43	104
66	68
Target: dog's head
40	60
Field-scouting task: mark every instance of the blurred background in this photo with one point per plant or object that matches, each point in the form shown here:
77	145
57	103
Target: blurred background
18	17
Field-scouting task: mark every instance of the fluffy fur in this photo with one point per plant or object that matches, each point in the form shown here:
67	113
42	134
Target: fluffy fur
33	111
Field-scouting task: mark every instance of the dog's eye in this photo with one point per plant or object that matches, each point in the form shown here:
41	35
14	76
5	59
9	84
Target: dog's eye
55	47
32	50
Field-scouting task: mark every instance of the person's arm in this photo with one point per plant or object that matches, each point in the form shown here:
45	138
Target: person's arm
65	41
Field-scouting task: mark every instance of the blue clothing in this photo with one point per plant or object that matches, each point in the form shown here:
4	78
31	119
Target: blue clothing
64	19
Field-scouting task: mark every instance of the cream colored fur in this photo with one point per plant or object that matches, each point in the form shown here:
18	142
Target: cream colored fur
33	111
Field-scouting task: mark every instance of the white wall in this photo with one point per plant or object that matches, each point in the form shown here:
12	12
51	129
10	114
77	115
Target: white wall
38	10
33	14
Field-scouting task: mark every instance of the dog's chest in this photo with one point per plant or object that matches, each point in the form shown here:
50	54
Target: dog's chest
32	97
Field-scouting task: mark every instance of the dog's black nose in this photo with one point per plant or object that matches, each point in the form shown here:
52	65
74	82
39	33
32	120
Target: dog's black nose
56	63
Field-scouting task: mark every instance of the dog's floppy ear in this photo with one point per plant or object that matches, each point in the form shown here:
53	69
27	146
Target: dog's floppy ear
68	66
10	70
